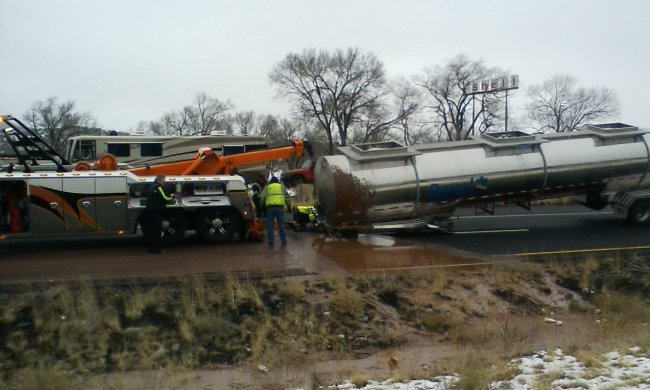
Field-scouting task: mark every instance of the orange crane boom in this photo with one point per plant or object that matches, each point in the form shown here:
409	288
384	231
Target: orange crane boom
207	162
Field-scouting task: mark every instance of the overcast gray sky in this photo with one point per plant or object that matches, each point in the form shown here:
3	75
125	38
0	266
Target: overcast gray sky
125	61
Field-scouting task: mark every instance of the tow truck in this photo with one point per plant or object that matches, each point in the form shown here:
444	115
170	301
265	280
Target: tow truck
46	196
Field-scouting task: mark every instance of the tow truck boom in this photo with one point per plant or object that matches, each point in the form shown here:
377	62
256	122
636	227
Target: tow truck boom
207	162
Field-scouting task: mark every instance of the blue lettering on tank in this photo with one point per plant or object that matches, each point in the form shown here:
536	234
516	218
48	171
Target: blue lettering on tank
449	192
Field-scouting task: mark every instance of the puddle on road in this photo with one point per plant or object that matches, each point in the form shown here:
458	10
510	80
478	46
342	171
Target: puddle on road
376	252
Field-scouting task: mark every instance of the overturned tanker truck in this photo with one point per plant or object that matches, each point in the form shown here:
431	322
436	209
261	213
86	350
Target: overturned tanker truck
388	186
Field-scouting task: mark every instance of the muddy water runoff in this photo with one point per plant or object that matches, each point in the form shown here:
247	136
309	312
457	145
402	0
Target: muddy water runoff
378	252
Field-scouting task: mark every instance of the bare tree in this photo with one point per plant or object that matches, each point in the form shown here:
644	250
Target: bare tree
57	122
289	130
204	116
268	127
318	140
398	118
374	123
411	126
246	122
207	114
175	123
280	132
149	127
453	108
331	88
558	105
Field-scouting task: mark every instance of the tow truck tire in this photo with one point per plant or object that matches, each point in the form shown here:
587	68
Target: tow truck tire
217	225
639	213
174	227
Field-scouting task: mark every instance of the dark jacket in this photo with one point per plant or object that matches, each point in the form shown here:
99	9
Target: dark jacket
157	199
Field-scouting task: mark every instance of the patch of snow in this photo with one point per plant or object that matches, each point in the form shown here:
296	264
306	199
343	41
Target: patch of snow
438	383
616	371
629	371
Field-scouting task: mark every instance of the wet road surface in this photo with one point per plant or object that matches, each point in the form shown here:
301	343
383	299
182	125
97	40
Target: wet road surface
127	258
513	232
542	230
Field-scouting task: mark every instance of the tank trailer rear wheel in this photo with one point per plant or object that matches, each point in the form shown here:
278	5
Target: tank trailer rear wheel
639	213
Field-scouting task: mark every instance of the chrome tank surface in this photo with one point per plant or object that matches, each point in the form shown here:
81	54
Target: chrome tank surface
376	183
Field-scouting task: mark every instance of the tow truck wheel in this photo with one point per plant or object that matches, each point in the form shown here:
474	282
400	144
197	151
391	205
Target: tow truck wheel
639	213
217	225
174	227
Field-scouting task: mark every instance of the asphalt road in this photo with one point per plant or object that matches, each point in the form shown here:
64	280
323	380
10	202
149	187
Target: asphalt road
471	241
542	230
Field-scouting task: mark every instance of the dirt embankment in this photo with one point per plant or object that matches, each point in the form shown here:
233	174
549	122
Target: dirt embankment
305	331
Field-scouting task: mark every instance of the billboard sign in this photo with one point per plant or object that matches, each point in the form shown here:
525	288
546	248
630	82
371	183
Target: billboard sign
493	85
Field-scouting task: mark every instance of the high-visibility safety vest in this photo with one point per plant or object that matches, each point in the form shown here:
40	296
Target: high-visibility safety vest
165	196
157	199
274	195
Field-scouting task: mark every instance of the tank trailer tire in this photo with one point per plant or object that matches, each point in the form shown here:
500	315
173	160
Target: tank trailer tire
639	213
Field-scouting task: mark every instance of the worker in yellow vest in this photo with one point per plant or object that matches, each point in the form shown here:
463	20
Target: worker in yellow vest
275	198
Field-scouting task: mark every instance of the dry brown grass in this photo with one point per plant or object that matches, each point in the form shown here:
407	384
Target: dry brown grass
82	329
145	300
544	382
516	272
347	303
441	279
292	290
39	378
474	370
360	380
502	370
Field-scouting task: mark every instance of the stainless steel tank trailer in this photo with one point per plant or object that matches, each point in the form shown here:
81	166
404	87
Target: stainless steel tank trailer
388	186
